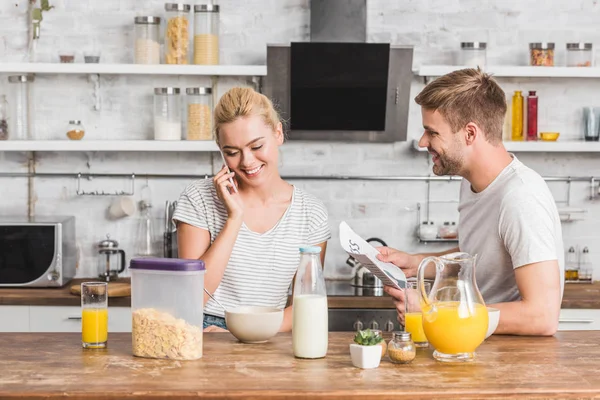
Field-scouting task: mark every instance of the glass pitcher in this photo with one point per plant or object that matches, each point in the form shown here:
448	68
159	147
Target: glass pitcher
455	317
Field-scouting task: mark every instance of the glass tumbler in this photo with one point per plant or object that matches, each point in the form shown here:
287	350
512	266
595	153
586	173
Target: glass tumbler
413	317
94	315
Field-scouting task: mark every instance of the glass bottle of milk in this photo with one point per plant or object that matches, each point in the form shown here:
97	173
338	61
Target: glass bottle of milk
310	325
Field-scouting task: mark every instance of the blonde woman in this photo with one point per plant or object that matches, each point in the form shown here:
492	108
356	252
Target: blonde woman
247	224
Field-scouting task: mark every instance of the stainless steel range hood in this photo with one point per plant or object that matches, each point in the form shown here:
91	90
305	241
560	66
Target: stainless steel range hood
338	87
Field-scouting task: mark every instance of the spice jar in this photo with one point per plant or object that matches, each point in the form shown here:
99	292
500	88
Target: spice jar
167	114
579	54
199	113
401	348
541	54
428	231
473	54
206	34
75	130
147	45
177	33
21	124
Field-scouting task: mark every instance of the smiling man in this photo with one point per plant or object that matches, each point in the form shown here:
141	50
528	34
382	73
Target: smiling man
508	216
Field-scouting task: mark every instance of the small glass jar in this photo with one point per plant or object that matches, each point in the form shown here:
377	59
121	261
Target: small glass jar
473	54
541	54
147	42
579	54
401	349
177	39
167	114
428	231
75	130
206	34
448	230
199	113
21	122
3	118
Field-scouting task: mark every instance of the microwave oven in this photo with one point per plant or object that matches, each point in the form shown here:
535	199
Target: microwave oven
37	252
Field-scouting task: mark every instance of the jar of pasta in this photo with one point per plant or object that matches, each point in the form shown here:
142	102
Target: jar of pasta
206	34
579	55
541	54
147	45
177	38
199	113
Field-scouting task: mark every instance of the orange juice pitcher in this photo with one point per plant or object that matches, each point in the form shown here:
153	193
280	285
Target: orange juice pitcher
455	317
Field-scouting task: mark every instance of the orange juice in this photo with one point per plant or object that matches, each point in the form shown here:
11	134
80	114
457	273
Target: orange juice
94	325
454	329
414	325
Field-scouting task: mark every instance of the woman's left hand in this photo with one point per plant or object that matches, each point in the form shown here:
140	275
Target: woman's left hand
214	328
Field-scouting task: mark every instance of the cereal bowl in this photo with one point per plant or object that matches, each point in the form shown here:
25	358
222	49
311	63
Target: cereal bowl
253	324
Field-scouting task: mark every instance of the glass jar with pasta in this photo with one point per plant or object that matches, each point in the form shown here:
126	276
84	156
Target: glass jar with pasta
541	54
177	39
206	34
199	113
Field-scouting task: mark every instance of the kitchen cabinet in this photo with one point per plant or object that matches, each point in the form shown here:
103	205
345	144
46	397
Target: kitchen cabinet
579	320
14	318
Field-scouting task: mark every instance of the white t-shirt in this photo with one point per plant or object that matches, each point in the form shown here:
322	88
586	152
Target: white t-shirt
511	223
261	266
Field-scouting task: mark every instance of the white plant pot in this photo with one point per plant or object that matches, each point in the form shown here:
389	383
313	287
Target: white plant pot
365	356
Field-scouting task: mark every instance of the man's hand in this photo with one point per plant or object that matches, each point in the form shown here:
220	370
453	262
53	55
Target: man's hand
408	263
398	296
214	328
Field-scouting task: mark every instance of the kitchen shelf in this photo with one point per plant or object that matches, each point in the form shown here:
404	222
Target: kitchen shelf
500	71
133	69
437	240
108	145
574	146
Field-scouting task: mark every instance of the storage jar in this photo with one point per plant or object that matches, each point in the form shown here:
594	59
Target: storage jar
167	307
177	33
199	113
21	121
541	54
147	42
167	114
206	34
579	54
401	349
473	54
75	130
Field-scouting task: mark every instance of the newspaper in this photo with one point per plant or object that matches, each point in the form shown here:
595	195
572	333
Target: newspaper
364	253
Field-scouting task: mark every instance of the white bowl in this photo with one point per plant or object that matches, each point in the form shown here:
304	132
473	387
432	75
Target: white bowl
253	324
493	318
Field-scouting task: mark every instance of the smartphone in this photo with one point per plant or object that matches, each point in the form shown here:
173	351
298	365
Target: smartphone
230	179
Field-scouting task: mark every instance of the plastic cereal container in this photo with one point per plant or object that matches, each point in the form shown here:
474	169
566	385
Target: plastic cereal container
167	308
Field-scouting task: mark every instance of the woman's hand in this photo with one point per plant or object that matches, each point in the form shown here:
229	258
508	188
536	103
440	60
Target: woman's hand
214	328
230	197
399	301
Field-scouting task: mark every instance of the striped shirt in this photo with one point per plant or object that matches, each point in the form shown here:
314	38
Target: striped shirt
262	265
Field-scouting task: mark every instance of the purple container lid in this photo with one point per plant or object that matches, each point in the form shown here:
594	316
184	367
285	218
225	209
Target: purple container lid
166	264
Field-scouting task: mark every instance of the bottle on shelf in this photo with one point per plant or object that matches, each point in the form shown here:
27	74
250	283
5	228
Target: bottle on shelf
517	116
585	266
571	266
532	116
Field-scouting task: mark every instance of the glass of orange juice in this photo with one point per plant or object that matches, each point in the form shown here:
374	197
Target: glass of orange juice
94	315
413	317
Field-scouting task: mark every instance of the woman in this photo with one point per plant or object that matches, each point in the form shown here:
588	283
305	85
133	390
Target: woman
247	224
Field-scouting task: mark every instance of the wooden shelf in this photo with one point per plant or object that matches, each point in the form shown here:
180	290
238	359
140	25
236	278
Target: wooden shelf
108	145
574	146
515	71
133	69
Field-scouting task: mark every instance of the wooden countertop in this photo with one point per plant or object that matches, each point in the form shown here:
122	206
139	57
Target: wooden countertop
53	365
583	296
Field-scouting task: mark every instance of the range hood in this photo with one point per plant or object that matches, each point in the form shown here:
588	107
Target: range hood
338	87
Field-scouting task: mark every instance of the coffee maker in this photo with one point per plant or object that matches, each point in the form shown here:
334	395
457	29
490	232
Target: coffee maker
111	260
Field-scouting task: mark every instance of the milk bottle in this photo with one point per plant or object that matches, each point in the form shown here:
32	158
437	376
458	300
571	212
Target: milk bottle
309	314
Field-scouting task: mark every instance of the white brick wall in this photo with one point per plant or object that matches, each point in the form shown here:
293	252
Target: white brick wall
382	209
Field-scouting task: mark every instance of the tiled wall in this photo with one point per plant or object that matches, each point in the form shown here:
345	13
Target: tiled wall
382	209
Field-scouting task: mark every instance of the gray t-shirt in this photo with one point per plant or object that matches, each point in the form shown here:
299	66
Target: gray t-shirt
262	265
511	223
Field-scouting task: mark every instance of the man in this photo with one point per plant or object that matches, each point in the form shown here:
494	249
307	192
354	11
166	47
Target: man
507	213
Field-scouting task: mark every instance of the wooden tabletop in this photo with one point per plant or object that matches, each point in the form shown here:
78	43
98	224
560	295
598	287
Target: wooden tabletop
54	365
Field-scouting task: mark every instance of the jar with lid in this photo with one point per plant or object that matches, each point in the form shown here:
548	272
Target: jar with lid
579	54
206	34
199	113
3	118
401	348
541	54
428	231
585	266
75	130
167	114
147	42
571	265
448	230
21	113
473	54
177	39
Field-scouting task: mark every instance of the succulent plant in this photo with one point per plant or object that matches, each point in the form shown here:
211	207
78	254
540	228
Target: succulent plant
367	338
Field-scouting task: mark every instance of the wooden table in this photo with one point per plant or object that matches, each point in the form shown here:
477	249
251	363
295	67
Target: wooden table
44	366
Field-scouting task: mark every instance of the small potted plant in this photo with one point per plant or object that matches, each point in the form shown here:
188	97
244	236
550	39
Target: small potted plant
366	349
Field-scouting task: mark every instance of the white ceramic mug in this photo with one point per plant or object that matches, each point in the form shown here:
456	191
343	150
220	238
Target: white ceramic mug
121	207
